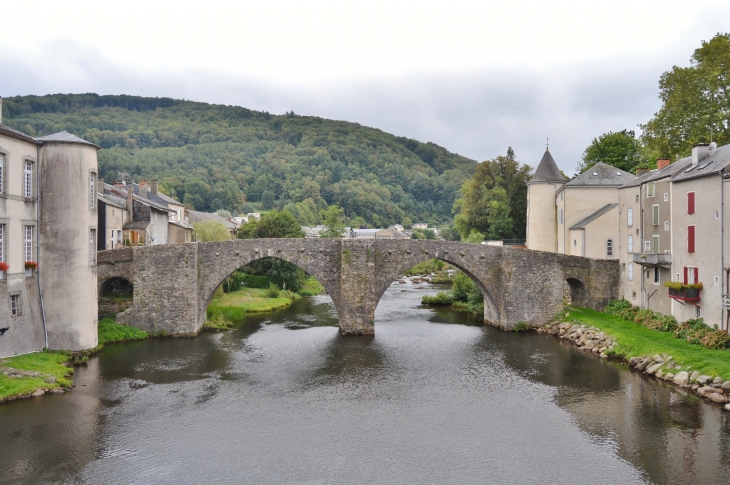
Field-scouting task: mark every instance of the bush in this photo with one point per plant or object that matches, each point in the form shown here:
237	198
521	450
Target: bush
696	332
272	291
647	318
443	298
252	281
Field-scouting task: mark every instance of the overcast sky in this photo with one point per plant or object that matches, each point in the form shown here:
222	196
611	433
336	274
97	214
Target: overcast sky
474	77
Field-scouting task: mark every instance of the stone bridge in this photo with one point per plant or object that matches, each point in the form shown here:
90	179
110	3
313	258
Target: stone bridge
173	284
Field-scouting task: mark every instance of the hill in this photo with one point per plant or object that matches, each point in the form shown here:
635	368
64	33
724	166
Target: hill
217	157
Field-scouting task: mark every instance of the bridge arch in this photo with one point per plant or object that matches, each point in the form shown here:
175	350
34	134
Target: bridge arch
491	310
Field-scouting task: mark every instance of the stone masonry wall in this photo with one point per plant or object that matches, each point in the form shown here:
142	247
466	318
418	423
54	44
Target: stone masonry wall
173	284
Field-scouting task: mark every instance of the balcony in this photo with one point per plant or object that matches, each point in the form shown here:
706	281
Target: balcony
653	259
685	294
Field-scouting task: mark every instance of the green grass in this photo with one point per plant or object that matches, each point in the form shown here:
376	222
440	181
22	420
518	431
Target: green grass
427	267
311	287
232	307
48	363
637	340
110	332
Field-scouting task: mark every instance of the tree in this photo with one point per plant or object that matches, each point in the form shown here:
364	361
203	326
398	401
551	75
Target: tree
334	222
621	150
407	223
495	195
475	237
204	231
277	225
695	102
267	200
279	271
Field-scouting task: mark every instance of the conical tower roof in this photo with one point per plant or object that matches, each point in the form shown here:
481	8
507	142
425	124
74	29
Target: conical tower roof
547	170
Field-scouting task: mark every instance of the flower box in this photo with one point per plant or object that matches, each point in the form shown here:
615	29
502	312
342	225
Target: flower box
30	267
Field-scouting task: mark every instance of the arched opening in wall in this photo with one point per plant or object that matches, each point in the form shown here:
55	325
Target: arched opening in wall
575	292
455	294
115	295
270	289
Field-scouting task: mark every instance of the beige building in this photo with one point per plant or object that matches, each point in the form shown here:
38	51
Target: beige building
588	214
542	229
112	217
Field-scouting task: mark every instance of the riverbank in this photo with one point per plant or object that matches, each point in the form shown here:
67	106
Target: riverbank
656	353
32	375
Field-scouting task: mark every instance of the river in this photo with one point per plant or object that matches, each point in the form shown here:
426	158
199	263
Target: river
430	399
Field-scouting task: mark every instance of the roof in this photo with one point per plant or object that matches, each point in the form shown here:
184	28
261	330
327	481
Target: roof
181	224
197	216
602	175
714	163
638	180
594	216
670	169
5	129
112	200
547	170
65	137
168	199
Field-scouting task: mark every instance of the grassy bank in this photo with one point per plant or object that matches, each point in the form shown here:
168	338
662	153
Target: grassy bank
637	340
231	308
110	332
33	372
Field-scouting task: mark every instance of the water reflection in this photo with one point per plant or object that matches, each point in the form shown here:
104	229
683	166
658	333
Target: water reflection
284	399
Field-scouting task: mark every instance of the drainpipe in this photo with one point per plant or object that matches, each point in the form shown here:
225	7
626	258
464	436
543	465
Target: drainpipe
722	244
39	270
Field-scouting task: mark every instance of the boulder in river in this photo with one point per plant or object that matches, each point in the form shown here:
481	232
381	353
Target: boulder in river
681	379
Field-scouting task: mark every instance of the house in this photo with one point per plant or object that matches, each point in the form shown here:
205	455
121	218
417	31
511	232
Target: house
148	214
253	216
398	233
198	216
112	215
542	224
420	225
48	238
370	234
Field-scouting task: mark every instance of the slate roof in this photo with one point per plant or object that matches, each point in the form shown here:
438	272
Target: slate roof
168	199
640	179
65	137
17	134
718	159
136	225
547	170
602	175
113	200
594	216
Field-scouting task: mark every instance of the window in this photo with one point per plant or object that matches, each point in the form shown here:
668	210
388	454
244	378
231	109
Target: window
690	239
28	243
647	246
575	243
154	239
717	280
609	247
677	280
631	272
717	215
630	215
650	189
2	171
666	225
637	197
690	202
666	196
655	214
655	243
560	216
155	216
16	307
630	244
92	246
656	275
119	236
698	312
92	190
691	275
28	180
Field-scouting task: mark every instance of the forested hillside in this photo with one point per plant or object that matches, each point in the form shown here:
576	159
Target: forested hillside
218	157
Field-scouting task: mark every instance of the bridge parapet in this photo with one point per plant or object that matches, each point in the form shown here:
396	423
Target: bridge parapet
173	284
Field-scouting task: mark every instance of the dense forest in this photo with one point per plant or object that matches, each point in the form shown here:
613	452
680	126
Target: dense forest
219	157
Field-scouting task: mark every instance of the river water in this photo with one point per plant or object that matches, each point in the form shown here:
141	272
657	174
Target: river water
429	399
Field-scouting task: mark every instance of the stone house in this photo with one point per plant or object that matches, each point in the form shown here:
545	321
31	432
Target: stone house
48	216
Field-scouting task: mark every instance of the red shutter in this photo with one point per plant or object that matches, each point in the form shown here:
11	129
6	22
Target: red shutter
685	275
697	276
690	239
690	202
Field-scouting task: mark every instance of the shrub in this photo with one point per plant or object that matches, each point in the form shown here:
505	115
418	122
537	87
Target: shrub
647	318
522	327
272	291
442	298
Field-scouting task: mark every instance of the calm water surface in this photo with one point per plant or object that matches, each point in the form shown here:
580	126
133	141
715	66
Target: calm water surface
430	399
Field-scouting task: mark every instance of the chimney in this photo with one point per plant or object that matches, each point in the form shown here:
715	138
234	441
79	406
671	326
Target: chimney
153	186
663	163
700	152
143	188
641	171
130	202
118	184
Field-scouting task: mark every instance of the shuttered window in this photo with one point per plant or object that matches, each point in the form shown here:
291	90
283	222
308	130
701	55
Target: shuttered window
691	275
690	202
655	214
690	239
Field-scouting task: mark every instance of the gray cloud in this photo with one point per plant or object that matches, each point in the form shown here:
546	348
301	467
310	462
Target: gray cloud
477	114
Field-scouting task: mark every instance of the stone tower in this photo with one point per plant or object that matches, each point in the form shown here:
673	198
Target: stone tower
542	217
68	231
